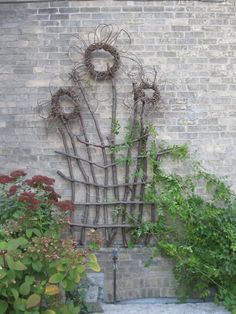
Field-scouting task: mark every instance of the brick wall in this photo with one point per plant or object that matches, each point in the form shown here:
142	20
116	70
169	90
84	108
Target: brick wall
134	280
192	43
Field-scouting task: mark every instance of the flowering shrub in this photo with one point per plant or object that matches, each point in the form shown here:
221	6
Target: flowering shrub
37	267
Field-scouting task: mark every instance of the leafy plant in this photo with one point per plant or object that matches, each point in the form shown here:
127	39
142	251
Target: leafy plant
37	266
198	233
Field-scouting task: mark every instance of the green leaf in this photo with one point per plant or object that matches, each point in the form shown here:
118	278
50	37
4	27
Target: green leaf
36	232
13	245
23	241
3	307
19	305
77	278
94	266
60	268
29	233
15	293
37	266
3	245
25	288
93	263
10	262
33	300
2	274
19	266
56	278
49	312
30	279
80	269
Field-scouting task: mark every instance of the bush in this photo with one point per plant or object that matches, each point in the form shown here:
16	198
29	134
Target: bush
37	267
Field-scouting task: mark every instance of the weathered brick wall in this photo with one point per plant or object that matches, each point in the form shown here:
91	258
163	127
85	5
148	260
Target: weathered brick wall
134	280
192	43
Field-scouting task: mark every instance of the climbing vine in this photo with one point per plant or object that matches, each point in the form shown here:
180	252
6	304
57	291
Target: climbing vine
197	232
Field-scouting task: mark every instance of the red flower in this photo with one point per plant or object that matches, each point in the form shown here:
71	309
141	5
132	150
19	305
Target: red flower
18	173
65	205
52	196
5	179
12	190
40	181
29	197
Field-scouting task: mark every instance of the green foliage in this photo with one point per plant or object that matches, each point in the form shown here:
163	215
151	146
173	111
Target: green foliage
199	235
37	266
115	128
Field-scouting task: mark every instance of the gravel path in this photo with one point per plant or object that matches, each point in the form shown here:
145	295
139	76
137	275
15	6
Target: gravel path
189	308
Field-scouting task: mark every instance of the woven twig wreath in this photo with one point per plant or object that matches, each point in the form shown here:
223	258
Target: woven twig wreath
139	93
57	111
101	75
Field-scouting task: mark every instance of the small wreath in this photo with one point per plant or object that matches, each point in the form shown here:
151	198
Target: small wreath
57	111
101	75
139	93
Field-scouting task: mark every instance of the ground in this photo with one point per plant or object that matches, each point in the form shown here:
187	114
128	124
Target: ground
189	308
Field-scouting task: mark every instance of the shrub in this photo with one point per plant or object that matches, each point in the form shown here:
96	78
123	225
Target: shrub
37	266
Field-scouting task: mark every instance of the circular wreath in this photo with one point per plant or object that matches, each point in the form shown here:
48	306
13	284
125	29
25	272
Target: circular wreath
57	111
101	75
139	93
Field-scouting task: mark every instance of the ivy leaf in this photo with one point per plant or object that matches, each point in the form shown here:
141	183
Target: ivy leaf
3	307
49	312
33	300
56	278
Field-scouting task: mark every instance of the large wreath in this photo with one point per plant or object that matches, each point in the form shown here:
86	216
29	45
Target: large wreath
101	75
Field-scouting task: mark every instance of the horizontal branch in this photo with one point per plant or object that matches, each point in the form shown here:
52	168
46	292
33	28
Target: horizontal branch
94	163
114	203
102	226
110	145
101	185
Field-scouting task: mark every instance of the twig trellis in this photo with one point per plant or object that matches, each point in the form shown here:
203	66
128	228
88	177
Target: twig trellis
124	194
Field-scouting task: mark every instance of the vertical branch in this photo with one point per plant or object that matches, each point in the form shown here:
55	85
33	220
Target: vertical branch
86	179
89	153
141	164
113	154
70	169
105	161
127	170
